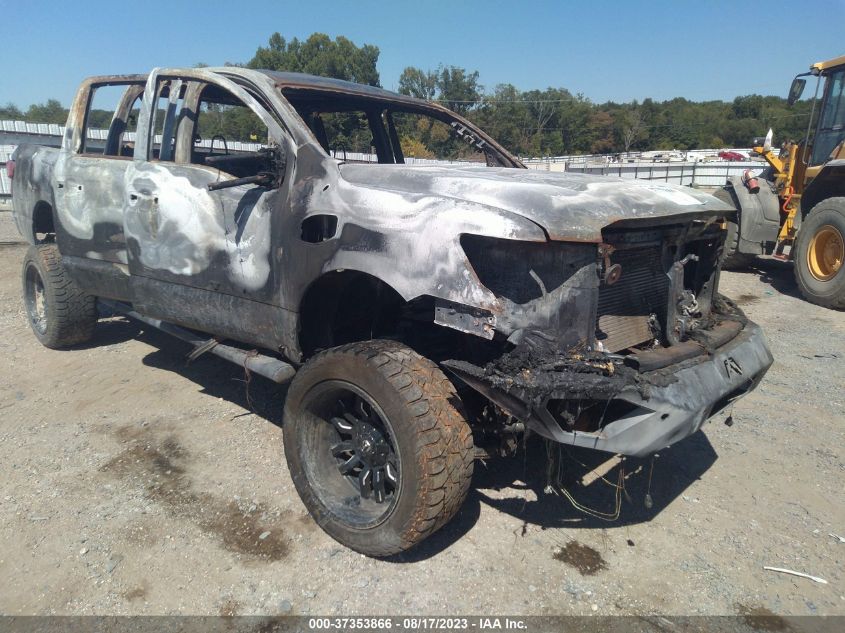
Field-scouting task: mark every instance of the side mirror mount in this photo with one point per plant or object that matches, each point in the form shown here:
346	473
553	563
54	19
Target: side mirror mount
275	159
275	162
278	162
795	90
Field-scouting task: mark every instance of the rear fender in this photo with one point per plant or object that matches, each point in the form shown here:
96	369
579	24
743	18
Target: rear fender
32	188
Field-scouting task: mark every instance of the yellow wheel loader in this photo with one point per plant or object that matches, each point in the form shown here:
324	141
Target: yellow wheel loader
795	209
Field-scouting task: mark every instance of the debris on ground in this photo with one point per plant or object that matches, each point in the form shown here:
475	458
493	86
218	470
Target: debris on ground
797	573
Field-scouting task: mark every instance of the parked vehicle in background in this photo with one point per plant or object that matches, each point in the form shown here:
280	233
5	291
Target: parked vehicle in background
425	314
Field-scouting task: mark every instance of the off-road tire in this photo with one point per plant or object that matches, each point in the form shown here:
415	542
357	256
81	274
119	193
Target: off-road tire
829	293
432	437
69	315
731	259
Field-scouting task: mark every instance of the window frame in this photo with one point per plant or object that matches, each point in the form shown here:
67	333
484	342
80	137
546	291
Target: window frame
249	95
298	98
82	144
827	129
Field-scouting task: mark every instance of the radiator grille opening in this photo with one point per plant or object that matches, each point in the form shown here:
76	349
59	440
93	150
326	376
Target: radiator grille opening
590	416
624	307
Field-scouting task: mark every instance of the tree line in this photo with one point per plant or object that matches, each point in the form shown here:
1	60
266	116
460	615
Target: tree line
547	122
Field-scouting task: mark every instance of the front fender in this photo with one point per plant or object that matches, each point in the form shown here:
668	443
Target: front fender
759	215
412	242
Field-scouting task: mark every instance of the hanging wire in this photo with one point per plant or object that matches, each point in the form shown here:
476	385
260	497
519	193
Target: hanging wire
554	462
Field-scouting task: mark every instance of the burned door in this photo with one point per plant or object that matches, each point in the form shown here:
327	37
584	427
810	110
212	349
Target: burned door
90	174
198	256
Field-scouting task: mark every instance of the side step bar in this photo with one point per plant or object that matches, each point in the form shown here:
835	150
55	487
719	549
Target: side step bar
276	370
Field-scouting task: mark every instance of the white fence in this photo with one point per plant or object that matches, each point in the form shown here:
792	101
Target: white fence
5	183
691	173
362	157
659	156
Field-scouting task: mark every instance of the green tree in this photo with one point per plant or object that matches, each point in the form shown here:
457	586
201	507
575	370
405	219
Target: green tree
10	111
632	127
458	89
320	55
503	116
600	125
50	112
418	83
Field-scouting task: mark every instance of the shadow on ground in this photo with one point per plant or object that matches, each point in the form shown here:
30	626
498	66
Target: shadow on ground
777	273
524	476
514	486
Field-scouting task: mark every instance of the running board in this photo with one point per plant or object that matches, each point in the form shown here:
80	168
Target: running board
276	370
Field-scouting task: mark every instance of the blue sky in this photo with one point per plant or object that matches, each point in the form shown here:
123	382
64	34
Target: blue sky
612	50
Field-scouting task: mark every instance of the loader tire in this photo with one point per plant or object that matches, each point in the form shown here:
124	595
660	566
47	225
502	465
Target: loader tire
731	259
377	445
819	253
59	312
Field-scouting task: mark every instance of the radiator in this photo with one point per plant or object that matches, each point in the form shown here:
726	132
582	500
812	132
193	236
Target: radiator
624	307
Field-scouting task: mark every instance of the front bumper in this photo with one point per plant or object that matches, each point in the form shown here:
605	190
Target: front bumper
667	404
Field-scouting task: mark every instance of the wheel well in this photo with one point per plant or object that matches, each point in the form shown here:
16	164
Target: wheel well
830	183
43	227
344	307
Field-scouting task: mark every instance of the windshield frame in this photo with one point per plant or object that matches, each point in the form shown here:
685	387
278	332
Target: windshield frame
333	100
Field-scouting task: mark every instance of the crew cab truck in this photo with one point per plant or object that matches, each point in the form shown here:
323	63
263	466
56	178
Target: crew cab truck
421	307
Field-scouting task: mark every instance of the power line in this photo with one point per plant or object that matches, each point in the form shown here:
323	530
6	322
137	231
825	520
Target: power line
699	124
494	100
582	99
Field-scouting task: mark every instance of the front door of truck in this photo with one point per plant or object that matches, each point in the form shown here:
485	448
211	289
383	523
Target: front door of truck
204	258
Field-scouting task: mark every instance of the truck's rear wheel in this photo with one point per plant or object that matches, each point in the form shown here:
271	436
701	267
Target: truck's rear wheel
60	313
377	446
820	252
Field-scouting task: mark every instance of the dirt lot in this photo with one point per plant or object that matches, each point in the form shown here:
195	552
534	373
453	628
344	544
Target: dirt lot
134	483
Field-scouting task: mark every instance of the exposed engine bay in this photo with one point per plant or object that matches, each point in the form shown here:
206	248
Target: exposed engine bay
657	317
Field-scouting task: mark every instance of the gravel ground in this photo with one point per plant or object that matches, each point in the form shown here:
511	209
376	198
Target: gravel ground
133	483
8	230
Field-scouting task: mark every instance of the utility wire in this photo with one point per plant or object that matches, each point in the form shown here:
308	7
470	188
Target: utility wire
689	125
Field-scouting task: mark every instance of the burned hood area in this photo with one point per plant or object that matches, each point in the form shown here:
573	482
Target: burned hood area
568	206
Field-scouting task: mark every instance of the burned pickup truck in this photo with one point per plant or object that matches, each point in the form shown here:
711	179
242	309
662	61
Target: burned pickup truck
424	292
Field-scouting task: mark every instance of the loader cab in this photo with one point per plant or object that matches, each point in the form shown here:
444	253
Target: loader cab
826	130
830	126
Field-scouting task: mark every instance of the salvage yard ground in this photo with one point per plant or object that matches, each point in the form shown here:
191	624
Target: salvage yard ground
133	483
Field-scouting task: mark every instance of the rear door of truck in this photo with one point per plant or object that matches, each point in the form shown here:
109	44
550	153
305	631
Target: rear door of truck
89	174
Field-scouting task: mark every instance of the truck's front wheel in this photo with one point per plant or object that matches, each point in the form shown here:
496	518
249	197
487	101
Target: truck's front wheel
60	313
377	446
819	254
